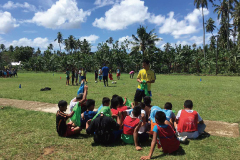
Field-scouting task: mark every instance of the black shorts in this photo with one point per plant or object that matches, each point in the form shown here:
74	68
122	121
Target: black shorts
105	78
139	95
68	77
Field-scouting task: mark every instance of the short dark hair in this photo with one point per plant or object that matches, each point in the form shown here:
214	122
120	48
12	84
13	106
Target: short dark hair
120	100
146	61
114	103
168	105
136	111
188	104
142	105
90	102
79	96
62	103
160	116
147	100
105	100
114	96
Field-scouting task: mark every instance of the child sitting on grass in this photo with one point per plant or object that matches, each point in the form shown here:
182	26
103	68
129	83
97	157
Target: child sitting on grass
188	122
131	125
63	129
89	114
163	135
104	128
114	106
170	116
105	109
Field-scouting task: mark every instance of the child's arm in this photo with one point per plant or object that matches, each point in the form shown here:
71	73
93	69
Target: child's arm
84	94
119	119
135	136
70	114
153	144
125	100
132	104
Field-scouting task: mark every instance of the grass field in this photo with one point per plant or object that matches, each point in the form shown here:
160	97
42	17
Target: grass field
29	134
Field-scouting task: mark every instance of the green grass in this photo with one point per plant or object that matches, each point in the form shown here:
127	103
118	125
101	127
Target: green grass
24	134
215	98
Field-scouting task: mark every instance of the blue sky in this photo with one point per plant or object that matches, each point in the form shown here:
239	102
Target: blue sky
36	22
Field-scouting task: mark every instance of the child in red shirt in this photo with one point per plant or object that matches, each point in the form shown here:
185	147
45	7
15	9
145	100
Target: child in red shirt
163	135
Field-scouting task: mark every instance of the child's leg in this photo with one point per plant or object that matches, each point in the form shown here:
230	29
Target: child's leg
201	128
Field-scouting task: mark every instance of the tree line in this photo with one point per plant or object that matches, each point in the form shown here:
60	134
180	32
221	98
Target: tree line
220	56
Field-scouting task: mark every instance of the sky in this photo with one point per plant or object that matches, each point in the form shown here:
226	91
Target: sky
36	23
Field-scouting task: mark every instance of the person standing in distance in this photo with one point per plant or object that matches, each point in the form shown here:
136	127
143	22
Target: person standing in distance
105	71
147	75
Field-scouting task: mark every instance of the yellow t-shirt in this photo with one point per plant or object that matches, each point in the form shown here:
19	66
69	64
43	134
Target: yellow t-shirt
147	76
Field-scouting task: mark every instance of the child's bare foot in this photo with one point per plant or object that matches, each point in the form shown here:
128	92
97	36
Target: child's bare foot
138	148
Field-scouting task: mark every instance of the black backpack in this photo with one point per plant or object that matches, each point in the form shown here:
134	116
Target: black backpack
103	135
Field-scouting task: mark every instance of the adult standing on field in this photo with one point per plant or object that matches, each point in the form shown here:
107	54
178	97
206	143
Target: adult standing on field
145	75
105	71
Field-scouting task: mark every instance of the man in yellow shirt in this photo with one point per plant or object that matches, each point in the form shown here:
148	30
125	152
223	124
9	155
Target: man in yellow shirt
147	75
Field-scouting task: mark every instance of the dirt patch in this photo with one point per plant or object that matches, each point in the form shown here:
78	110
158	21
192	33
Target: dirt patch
47	151
223	129
216	128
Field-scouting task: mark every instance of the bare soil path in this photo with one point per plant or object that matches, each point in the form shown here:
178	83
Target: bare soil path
216	128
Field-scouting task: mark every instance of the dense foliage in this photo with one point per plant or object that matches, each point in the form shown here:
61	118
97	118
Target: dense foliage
222	55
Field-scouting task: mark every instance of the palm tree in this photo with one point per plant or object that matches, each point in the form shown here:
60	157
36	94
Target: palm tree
11	48
59	39
50	47
236	21
210	27
202	4
2	46
144	40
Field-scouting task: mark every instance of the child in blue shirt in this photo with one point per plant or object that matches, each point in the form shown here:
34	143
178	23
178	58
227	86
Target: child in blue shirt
89	114
170	116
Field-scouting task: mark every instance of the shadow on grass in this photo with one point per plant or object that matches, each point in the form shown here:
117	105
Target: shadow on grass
80	136
179	152
111	86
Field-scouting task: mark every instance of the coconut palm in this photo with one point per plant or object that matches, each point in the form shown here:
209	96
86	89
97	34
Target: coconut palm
210	27
50	47
144	40
2	46
59	39
202	4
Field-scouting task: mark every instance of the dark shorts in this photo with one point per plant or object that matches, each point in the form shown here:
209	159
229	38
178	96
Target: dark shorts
96	76
139	95
68	77
83	77
105	78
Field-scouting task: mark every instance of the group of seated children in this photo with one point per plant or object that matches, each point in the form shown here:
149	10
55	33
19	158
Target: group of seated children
114	121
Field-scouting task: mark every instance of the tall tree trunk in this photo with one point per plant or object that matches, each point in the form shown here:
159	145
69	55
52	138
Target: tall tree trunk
228	25
217	58
60	47
203	36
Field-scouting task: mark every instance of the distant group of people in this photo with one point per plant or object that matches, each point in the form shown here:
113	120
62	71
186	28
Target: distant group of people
77	75
114	120
104	73
12	72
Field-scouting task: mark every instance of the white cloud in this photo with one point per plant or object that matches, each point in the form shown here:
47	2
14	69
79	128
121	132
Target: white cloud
123	14
158	20
189	25
25	5
91	39
64	14
7	22
101	3
197	39
183	43
122	39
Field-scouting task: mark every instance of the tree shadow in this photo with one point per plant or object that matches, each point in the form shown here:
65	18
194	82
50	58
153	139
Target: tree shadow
111	86
179	152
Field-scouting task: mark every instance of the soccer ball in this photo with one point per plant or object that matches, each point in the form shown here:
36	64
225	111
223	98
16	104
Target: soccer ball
114	82
95	81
